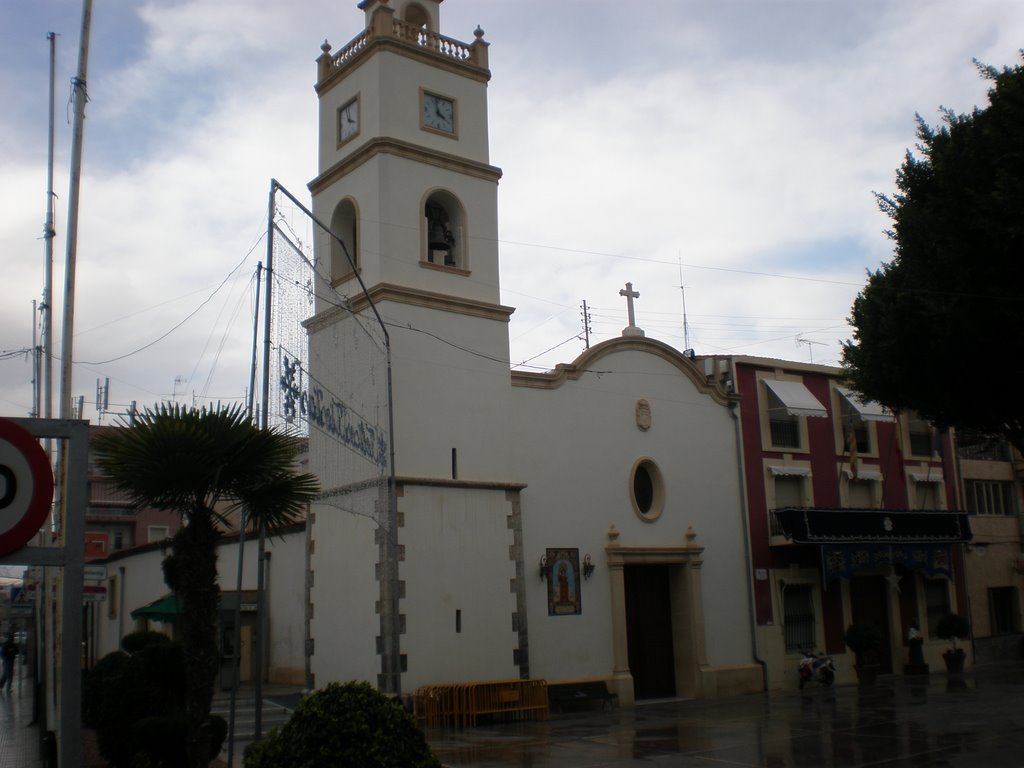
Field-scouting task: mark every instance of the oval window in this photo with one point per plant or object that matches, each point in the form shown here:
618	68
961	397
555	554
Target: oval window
647	490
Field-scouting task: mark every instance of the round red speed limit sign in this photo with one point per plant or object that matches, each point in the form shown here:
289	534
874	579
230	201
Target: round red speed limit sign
26	486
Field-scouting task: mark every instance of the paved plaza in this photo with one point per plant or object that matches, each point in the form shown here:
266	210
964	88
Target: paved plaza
973	720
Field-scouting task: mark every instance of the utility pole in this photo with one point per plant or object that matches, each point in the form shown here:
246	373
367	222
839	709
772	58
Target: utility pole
46	309
80	97
586	324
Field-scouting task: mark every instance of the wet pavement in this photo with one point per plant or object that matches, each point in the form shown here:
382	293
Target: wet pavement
973	720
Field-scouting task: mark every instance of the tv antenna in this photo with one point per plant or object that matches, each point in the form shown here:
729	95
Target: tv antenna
809	343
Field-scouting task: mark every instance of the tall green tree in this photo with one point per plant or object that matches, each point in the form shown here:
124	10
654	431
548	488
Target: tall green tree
203	464
938	329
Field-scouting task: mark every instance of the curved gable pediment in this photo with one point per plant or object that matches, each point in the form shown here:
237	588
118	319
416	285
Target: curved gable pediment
589	361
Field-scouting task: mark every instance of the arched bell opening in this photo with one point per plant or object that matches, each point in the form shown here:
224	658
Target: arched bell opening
417	16
444	225
344	241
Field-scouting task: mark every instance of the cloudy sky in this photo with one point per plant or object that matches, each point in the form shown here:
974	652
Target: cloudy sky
728	146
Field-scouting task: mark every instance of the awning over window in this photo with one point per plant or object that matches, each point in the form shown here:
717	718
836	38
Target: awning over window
933	476
164	609
852	526
777	469
868	410
796	399
863	474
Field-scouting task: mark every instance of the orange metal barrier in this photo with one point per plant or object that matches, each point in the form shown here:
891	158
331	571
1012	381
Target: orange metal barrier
460	705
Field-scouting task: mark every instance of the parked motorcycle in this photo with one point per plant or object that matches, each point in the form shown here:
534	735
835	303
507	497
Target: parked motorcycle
817	668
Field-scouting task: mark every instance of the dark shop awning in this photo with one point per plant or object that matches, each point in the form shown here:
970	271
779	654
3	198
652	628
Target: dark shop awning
164	609
865	526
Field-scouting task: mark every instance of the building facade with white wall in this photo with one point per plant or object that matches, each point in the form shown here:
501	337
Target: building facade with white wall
581	524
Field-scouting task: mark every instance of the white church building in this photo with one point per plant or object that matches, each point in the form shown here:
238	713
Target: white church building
581	524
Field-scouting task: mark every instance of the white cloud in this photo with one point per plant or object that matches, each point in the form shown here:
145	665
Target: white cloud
726	135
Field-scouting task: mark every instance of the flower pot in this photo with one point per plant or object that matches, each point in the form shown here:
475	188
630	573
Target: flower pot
866	673
954	661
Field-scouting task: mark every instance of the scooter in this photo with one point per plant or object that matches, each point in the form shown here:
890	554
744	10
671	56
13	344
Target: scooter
817	668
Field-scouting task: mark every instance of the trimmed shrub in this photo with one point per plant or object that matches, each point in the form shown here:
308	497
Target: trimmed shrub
114	694
161	740
136	641
864	640
145	689
345	724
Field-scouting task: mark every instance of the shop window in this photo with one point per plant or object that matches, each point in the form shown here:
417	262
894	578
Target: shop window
936	595
1003	611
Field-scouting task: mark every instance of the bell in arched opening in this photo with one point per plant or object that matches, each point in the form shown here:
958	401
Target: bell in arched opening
440	240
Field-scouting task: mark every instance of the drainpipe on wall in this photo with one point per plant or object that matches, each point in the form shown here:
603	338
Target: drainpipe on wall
958	504
741	470
120	608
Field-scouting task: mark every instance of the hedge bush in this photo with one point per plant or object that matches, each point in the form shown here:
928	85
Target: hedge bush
345	724
136	704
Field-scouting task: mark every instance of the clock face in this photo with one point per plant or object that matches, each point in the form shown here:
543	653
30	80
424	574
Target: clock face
348	120
438	113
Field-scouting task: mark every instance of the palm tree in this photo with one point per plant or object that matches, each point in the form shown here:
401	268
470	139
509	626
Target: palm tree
203	464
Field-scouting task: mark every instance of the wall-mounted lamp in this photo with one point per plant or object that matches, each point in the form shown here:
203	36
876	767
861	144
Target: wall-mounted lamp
543	567
588	567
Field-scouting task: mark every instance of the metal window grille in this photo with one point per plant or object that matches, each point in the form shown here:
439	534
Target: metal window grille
798	617
785	432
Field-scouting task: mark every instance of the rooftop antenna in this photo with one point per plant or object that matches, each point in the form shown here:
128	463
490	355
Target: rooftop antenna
808	342
682	291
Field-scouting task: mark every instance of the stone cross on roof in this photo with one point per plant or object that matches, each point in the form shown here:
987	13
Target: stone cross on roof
630	294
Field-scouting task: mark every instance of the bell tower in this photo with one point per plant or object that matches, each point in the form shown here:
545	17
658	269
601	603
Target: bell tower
406	185
404	175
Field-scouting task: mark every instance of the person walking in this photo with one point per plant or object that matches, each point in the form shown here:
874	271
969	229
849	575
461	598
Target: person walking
8	652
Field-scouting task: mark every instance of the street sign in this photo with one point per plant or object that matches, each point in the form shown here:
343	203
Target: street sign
94	594
95	572
26	486
22	601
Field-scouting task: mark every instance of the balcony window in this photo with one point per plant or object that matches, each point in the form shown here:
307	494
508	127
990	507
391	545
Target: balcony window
860	494
921	443
788	401
991	497
927	494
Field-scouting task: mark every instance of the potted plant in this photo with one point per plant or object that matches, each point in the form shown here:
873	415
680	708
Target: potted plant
864	640
950	627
